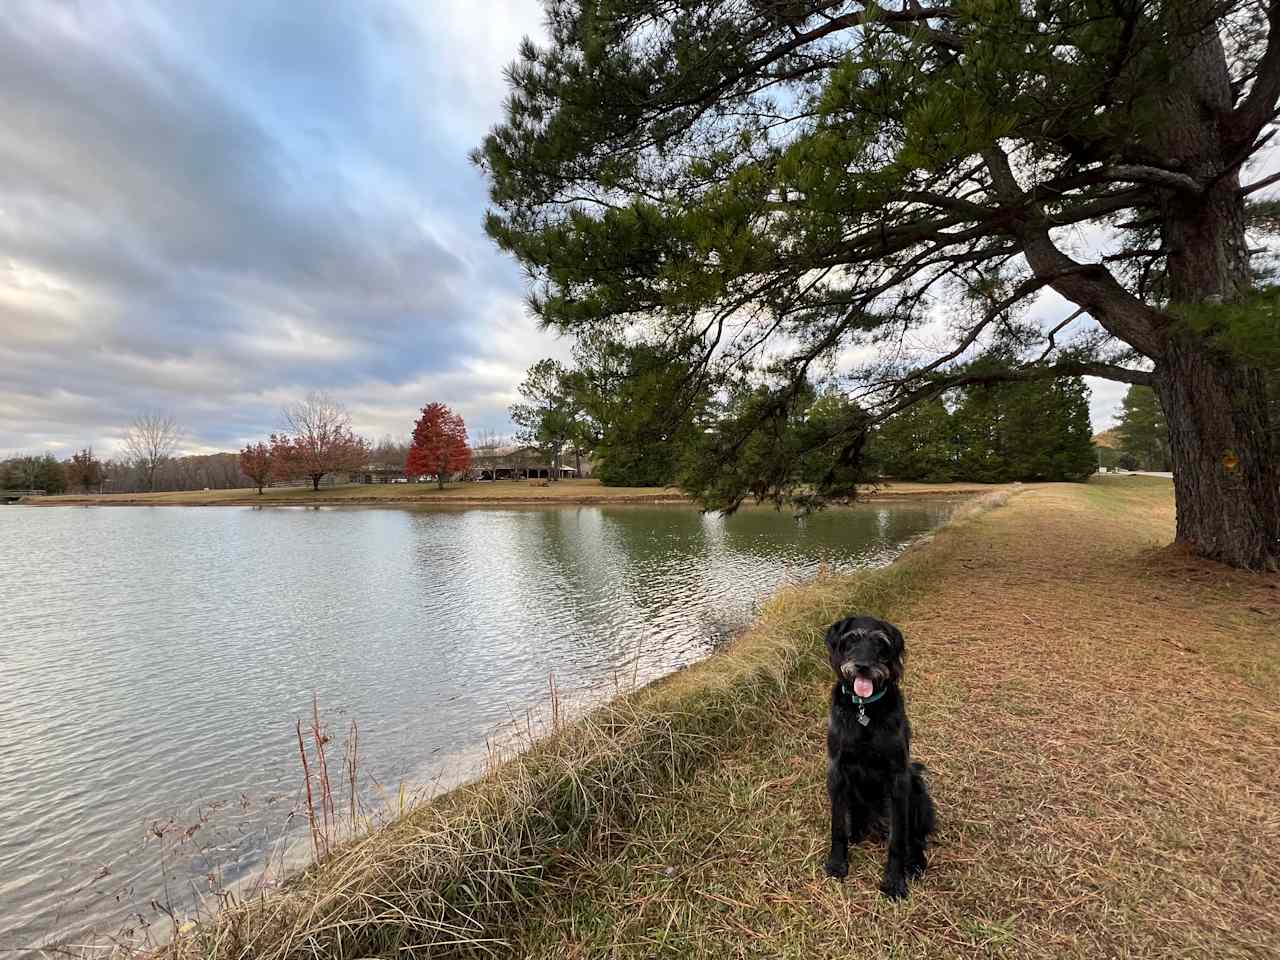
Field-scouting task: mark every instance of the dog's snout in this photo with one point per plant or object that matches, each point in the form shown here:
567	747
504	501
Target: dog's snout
862	667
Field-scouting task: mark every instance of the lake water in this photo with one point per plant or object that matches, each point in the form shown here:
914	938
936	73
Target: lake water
154	661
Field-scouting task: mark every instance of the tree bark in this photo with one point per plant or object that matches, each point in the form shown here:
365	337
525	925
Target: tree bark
1226	474
1226	470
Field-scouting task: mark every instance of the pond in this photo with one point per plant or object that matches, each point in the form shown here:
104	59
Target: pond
154	662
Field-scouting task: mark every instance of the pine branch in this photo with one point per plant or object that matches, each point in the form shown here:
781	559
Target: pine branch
1259	107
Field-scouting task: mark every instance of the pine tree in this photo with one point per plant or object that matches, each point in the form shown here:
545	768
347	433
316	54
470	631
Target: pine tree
1143	432
790	188
1032	431
623	391
917	444
549	417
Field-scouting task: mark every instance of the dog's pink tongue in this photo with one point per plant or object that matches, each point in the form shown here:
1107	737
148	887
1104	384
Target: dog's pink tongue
862	687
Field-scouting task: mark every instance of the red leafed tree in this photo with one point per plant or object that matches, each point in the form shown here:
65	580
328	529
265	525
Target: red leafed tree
320	441
257	463
439	444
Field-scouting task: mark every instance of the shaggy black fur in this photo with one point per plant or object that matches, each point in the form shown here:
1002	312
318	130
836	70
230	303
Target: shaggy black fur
870	776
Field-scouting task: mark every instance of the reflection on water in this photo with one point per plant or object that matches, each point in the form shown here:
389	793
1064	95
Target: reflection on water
153	661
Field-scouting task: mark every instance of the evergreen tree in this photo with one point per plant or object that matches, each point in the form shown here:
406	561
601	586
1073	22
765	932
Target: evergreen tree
823	466
794	450
787	185
625	391
1050	434
549	416
981	451
1027	431
1142	430
34	473
917	444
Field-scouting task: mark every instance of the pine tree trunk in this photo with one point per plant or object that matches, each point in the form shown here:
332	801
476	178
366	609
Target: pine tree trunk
1226	470
1226	474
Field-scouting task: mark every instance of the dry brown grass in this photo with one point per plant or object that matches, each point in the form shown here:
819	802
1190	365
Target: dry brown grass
1100	720
1099	715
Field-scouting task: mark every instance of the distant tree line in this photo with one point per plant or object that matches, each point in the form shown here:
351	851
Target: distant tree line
316	441
1033	431
86	473
213	471
319	442
33	472
610	405
146	462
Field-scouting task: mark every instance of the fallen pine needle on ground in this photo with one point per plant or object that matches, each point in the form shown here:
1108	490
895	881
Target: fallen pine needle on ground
1101	793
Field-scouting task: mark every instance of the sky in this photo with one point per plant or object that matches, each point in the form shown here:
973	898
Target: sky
210	209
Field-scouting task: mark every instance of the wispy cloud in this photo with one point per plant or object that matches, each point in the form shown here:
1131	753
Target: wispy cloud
211	211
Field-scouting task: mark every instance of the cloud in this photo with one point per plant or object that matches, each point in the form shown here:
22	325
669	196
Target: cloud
212	213
213	208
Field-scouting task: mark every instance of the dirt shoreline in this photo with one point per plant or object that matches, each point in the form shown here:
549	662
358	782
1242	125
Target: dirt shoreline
595	497
127	501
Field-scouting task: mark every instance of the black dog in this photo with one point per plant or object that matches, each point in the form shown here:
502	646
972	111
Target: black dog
869	768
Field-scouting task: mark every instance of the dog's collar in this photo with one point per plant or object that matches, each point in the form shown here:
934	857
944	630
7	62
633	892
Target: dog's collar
862	701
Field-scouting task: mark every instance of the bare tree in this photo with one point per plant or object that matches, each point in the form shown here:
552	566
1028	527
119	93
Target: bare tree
318	440
486	451
389	450
151	440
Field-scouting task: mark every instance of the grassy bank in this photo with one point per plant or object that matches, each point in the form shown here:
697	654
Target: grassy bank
459	494
1099	715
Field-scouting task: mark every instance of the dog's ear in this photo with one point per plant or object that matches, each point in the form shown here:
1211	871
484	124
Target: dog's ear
897	641
834	632
896	638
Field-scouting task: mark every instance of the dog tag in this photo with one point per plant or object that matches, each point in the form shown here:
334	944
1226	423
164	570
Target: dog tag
862	715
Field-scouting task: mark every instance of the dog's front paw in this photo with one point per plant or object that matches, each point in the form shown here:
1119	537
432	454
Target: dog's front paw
918	865
895	888
836	868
